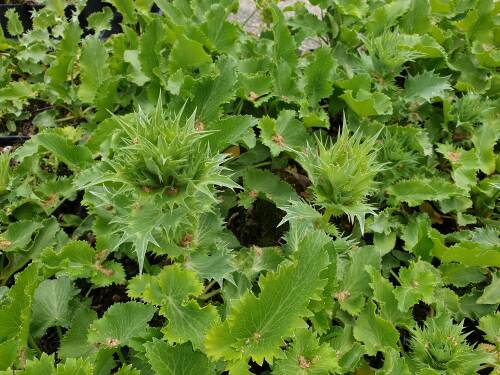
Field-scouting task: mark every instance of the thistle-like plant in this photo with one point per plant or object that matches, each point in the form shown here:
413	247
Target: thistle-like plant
440	348
342	175
157	182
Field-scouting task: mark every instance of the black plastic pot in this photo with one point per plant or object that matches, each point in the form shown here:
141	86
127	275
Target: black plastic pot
10	140
24	12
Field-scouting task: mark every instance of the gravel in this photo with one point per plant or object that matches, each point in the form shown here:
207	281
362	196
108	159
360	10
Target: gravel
248	13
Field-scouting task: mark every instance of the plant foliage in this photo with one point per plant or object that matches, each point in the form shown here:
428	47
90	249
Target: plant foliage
312	188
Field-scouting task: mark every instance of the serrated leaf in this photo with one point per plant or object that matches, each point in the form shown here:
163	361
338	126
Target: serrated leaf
16	90
318	75
126	9
230	130
100	21
256	326
283	134
468	253
354	286
426	86
120	324
460	275
484	139
491	294
490	324
176	360
218	265
60	69
261	182
418	282
384	295
128	370
14	25
94	69
172	289
78	259
75	156
151	42
417	190
306	355
222	34
394	364
211	92
365	103
52	305
19	234
187	53
15	314
375	333
74	343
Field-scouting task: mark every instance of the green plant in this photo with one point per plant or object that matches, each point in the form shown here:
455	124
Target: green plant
199	194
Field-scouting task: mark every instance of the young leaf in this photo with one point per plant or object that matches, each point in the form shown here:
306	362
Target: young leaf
354	285
425	86
268	185
284	133
306	355
176	360
52	305
384	295
417	190
365	103
172	289
490	324
256	326
491	294
374	332
120	324
418	282
94	69
318	76
74	343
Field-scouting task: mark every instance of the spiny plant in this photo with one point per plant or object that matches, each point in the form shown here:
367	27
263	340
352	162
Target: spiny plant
342	174
157	182
440	348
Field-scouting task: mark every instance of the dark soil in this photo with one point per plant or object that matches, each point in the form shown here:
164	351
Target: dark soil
258	225
256	369
49	343
420	312
376	361
103	298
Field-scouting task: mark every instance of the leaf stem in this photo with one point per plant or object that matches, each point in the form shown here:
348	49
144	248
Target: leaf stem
209	295
209	286
34	345
396	277
263	164
120	356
